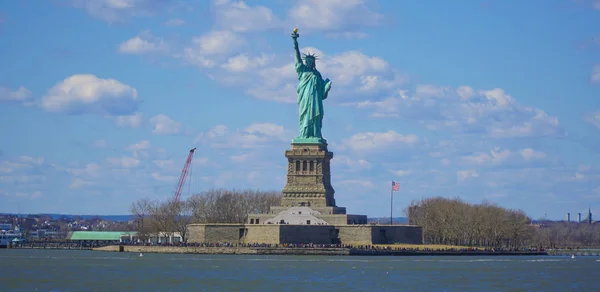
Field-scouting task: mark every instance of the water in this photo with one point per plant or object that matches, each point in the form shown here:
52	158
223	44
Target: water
74	270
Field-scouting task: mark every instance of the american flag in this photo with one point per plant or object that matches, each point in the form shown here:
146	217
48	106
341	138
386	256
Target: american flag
395	186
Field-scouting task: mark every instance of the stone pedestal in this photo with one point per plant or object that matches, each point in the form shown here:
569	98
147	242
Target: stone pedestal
308	176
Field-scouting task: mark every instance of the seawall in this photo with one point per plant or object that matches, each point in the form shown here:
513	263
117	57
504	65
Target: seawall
302	251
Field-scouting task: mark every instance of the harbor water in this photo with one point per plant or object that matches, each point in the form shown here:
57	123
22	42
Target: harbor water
80	270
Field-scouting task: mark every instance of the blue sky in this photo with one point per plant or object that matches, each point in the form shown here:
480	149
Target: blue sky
101	100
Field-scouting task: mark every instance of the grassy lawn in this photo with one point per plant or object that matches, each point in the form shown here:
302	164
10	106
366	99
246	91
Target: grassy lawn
426	246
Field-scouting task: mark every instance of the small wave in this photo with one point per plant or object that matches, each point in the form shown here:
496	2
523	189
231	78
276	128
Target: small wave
279	260
545	260
476	260
462	261
345	260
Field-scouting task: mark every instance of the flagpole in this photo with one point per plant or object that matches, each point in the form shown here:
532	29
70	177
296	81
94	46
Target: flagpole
391	202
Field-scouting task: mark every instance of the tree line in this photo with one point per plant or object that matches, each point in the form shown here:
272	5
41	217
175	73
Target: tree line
213	206
444	221
455	222
567	234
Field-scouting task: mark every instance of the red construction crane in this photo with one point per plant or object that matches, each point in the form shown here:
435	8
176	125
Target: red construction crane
184	173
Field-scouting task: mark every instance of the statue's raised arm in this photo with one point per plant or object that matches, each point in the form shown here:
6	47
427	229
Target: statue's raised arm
295	36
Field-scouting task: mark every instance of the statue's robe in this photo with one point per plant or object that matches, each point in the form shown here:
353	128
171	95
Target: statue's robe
311	93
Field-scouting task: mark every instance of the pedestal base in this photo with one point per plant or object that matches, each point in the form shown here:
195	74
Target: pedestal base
308	178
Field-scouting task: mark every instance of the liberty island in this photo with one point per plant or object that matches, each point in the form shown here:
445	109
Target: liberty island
308	213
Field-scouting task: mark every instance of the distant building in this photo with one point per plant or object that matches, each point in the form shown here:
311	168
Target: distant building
123	237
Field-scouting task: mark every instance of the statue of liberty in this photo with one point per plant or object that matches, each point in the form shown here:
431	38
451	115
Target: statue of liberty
312	90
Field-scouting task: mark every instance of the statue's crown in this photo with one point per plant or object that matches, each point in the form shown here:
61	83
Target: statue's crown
310	55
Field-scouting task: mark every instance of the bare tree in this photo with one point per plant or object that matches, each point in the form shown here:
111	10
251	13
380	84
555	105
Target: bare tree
212	206
181	213
142	209
452	221
162	219
230	206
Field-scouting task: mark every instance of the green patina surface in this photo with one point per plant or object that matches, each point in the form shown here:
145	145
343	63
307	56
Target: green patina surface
311	140
99	235
312	89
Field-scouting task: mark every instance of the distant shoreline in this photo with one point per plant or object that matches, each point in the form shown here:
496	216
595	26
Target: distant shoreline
303	251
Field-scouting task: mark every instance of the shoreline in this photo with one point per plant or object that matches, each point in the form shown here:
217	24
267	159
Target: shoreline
303	251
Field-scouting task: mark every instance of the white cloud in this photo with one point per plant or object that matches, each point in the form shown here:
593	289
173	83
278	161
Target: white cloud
124	162
385	108
401	172
498	156
583	168
217	131
354	182
90	170
163	178
240	158
254	176
267	129
333	15
36	195
495	156
347	35
31	196
594	119
100	143
217	42
20	164
465	92
595	76
88	94
163	125
22	94
138	148
352	73
144	144
113	11
346	163
498	97
175	22
205	50
429	90
165	164
465	110
530	154
31	160
528	122
243	62
256	135
79	183
22	179
129	121
145	42
237	16
463	175
372	140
